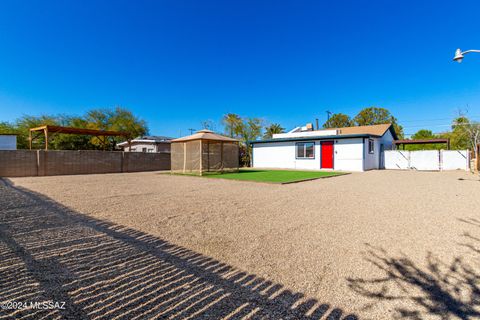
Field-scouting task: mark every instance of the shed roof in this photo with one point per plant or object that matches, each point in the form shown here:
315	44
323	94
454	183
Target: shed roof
205	135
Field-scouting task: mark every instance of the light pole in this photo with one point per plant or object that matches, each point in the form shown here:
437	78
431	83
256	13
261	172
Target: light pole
459	54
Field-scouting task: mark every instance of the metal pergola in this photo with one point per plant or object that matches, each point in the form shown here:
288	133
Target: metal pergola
49	130
422	141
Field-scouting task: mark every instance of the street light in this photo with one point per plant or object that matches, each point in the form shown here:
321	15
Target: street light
459	54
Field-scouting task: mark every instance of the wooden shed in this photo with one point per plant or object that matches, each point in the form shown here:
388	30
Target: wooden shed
204	151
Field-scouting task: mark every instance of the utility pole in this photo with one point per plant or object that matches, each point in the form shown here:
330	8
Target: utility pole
191	131
329	113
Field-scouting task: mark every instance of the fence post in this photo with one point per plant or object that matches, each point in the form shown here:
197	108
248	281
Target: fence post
440	160
38	162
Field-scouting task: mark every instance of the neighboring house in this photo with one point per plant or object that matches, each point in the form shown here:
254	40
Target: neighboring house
347	149
147	144
8	141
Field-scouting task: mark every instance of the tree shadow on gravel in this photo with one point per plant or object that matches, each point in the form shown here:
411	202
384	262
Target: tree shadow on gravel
436	289
102	270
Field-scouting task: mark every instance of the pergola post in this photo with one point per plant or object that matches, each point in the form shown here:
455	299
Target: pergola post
46	137
221	156
201	156
184	156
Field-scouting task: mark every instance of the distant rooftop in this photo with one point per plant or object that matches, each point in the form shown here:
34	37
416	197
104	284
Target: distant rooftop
155	138
147	139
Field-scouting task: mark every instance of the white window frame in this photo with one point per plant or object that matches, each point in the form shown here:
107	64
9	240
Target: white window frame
371	146
304	150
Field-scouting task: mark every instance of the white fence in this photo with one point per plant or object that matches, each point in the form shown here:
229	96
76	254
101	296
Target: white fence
431	160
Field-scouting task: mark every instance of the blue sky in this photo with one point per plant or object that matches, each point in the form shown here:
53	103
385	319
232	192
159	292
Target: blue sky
176	63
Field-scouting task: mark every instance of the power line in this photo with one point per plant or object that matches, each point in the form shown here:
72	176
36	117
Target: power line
440	119
439	125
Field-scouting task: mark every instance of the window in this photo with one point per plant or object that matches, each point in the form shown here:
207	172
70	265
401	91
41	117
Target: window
305	150
371	146
144	149
150	150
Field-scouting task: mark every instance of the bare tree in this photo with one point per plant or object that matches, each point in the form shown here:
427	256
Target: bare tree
469	129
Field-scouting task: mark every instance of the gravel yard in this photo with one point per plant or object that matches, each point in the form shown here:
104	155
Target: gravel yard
374	245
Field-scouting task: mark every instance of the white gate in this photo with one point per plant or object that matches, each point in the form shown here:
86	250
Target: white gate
431	160
425	160
397	159
455	160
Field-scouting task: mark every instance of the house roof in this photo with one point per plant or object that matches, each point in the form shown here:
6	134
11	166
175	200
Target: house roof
310	138
375	130
205	135
342	133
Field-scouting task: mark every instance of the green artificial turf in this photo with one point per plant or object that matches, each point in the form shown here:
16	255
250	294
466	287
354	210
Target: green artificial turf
273	176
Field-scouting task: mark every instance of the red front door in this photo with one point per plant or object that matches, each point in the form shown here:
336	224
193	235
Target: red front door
327	155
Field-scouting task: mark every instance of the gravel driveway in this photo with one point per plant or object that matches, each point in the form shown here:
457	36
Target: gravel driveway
374	245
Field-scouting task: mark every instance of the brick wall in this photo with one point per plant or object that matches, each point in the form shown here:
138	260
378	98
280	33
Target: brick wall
24	163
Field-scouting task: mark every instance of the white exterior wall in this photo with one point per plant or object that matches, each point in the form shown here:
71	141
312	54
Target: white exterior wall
155	147
138	147
8	142
347	155
283	155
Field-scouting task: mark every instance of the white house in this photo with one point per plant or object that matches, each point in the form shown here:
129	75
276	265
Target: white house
147	144
8	141
346	149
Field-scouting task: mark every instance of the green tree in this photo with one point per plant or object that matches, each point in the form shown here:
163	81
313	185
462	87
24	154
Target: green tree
375	115
232	124
338	120
26	122
272	129
465	134
118	119
249	130
424	134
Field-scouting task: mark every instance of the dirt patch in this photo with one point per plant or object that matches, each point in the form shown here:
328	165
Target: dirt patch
378	244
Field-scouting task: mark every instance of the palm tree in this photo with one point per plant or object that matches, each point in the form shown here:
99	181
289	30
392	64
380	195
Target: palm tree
232	122
273	129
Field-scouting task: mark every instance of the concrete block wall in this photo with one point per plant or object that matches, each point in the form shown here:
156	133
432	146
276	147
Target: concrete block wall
138	161
18	163
24	163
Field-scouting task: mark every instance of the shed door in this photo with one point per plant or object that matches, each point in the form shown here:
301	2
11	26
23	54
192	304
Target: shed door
327	155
